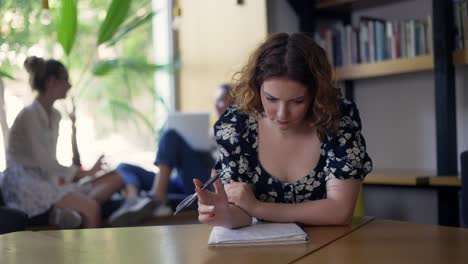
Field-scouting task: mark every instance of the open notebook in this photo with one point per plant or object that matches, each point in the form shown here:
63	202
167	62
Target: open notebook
258	234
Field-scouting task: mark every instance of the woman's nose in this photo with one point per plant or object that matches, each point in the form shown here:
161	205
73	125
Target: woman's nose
282	111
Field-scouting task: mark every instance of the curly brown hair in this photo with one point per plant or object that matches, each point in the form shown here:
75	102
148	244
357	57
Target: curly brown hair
295	57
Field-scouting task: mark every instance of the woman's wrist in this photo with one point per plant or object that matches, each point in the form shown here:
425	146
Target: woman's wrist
236	217
253	208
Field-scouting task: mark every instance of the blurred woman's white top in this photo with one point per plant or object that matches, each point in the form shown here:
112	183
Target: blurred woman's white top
33	142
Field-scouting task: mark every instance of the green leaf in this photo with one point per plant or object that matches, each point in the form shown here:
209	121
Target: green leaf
137	22
104	67
6	75
115	16
67	25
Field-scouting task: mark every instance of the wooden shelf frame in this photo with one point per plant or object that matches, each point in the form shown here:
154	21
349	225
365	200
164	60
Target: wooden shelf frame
445	181
335	4
416	178
393	67
398	177
384	68
460	57
339	5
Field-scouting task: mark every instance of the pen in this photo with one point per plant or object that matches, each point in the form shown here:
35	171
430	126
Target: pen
190	199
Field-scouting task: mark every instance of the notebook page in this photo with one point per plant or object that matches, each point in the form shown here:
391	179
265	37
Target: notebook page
261	233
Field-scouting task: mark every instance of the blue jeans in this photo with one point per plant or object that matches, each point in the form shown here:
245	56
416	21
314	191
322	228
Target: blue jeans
175	153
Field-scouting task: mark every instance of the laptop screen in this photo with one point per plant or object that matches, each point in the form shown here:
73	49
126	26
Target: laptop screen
193	127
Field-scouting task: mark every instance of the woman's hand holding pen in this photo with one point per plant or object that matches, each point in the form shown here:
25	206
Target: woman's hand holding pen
241	194
213	207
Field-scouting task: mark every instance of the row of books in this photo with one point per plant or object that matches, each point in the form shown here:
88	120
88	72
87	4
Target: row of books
460	11
375	40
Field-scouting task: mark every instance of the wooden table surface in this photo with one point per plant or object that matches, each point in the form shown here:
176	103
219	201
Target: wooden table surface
384	241
156	244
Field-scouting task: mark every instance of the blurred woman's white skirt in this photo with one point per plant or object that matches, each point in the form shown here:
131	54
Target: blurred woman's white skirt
29	190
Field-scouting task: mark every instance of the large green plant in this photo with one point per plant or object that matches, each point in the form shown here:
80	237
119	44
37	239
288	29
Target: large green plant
118	23
115	97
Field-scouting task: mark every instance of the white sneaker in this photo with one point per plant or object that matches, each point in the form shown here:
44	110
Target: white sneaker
65	218
132	212
162	210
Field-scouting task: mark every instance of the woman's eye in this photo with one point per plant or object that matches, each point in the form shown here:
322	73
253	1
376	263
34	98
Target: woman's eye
271	99
298	101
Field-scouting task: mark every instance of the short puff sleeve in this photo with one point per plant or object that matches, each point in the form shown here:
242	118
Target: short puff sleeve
345	150
235	145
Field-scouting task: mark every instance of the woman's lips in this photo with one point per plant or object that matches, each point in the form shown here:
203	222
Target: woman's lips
282	122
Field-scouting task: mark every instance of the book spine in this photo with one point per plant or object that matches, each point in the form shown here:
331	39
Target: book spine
410	38
363	42
457	16
354	46
371	41
403	46
464	16
337	48
429	34
417	39
422	36
396	39
379	41
390	42
329	45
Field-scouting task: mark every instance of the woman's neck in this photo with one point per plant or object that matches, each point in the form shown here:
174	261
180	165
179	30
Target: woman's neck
46	102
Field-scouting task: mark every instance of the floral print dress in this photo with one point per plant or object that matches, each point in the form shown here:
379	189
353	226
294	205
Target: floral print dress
343	155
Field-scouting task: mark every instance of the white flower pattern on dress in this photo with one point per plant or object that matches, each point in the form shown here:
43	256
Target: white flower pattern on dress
343	155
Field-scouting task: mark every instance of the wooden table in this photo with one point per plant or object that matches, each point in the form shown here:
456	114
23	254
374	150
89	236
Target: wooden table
157	244
383	241
365	241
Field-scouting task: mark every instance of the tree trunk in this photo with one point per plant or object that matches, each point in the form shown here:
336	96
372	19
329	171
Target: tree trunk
76	153
3	120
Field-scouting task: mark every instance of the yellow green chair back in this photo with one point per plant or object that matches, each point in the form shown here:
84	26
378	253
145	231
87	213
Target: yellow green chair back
359	210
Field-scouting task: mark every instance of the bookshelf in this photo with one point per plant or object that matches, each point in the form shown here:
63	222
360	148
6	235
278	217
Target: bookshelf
441	63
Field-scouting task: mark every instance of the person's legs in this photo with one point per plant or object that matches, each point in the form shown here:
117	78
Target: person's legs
174	152
135	179
135	208
161	184
195	165
105	186
86	206
63	218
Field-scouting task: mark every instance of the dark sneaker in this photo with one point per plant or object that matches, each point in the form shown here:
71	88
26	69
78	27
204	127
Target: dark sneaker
65	218
133	211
